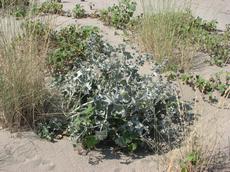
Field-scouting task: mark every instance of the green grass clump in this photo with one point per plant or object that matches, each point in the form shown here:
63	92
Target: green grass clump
119	15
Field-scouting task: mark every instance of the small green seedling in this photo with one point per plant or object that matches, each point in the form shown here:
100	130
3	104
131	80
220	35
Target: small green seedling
190	161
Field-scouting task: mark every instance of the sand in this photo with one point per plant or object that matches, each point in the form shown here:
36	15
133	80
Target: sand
26	152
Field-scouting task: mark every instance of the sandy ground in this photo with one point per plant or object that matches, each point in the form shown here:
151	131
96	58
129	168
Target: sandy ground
208	9
25	152
110	34
213	10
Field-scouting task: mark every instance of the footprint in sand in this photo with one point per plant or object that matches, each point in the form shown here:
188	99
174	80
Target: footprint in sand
38	163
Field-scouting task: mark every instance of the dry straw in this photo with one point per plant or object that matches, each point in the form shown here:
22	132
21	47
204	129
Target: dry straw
158	32
22	73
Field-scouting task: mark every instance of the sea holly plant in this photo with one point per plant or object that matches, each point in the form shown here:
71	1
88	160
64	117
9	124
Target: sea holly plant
106	99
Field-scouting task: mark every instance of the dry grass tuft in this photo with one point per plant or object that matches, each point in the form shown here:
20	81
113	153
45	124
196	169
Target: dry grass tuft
158	32
198	156
204	148
22	73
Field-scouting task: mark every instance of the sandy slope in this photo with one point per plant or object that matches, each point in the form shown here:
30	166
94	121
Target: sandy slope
25	152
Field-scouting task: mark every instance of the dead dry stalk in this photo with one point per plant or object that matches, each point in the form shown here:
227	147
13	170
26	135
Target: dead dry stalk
22	73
